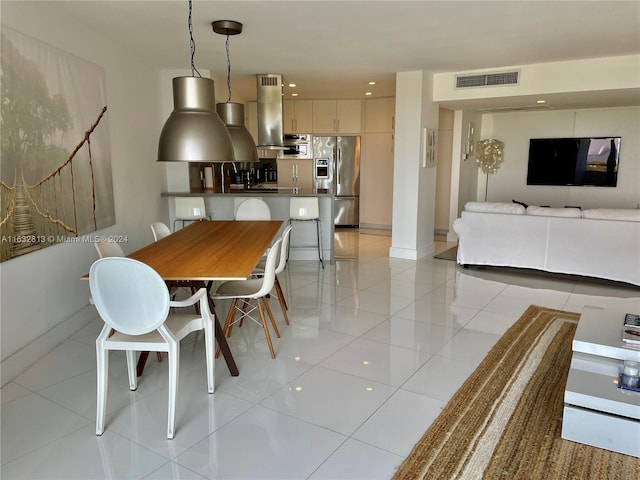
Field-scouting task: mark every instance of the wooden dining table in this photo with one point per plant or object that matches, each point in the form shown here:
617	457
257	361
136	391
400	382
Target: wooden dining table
206	251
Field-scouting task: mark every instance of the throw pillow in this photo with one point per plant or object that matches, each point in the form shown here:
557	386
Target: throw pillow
494	207
625	214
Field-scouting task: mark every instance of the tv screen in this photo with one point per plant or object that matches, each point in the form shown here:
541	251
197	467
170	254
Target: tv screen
574	161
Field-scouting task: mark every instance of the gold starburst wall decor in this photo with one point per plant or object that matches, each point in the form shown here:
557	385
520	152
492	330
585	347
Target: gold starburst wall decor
489	155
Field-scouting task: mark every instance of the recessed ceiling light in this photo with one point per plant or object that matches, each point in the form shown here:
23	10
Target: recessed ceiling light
294	94
541	101
292	85
372	83
368	93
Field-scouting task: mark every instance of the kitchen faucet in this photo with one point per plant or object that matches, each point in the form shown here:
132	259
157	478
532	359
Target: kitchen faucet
235	170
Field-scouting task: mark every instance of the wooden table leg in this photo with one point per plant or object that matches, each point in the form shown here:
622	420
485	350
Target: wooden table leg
222	340
141	363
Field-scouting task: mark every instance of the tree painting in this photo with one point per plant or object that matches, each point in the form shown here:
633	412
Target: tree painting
55	172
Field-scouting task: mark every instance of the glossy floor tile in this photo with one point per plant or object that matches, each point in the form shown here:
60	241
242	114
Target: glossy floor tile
375	349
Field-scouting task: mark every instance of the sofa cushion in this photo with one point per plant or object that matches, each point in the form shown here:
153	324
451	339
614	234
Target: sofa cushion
554	212
494	207
625	214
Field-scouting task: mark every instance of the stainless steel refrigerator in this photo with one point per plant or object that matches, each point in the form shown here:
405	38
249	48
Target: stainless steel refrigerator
337	167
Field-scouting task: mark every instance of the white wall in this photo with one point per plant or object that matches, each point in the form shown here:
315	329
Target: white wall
443	171
516	128
43	299
464	172
589	75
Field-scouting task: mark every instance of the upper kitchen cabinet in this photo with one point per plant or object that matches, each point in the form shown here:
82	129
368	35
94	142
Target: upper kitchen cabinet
297	116
379	115
337	116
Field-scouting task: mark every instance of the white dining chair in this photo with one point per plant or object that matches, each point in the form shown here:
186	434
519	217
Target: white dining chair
306	209
243	292
159	230
282	263
107	248
133	301
189	209
253	209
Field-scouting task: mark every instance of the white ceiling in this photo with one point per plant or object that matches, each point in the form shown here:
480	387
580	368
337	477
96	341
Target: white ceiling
331	49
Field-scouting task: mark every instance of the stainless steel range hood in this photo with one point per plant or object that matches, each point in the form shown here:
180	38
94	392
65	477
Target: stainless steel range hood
270	111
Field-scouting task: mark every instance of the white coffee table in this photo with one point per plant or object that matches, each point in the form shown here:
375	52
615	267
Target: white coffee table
596	412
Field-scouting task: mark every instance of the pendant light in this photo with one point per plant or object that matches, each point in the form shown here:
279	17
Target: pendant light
194	132
232	114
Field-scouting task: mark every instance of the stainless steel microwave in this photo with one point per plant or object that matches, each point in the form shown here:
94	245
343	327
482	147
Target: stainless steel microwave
296	146
296	138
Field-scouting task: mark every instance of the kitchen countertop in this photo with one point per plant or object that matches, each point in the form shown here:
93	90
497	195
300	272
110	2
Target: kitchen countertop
271	191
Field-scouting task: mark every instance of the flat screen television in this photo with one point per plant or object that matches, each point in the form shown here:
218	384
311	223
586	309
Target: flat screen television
583	161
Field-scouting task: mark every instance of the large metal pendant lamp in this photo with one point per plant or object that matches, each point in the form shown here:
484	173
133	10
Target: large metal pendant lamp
232	114
194	132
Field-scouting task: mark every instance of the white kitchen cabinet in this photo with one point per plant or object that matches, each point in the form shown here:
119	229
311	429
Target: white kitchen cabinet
376	181
324	116
337	117
295	173
379	115
297	116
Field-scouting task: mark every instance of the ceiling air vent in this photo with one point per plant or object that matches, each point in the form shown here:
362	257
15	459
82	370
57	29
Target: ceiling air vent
487	79
270	80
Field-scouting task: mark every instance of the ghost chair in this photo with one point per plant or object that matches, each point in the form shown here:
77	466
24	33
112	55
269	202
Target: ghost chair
133	301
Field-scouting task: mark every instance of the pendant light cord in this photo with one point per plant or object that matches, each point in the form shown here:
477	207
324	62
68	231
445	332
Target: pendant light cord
228	69
192	44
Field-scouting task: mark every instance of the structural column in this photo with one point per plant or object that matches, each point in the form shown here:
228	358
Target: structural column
414	182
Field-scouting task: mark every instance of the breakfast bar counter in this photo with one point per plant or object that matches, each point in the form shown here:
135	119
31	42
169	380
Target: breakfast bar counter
256	191
303	241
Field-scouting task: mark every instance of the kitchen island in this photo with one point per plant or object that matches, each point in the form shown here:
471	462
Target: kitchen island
303	243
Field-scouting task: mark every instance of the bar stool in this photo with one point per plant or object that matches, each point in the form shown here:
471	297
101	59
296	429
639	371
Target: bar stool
189	209
253	209
237	201
306	209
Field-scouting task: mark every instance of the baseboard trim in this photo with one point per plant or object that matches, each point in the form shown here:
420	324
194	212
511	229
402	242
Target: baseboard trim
412	254
375	226
405	253
19	361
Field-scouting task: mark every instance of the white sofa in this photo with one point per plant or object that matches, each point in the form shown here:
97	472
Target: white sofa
602	243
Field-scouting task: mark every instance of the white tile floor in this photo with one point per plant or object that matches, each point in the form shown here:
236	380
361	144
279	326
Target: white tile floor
375	348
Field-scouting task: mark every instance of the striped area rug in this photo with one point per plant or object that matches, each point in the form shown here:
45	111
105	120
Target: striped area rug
505	421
